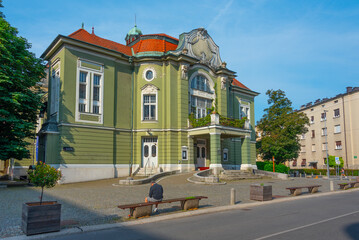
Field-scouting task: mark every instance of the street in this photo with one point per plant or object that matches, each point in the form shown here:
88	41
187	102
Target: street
328	217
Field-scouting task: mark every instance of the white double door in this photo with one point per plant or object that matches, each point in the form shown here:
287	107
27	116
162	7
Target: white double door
201	153
149	153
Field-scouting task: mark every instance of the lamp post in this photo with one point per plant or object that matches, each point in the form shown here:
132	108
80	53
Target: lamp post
326	141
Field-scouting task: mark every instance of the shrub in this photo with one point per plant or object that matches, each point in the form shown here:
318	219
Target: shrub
280	168
260	165
44	176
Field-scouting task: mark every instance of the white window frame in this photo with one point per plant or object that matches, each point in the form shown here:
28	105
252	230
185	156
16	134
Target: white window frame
336	128
324	131
313	147
149	89
338	147
244	109
336	116
91	72
225	153
184	153
208	93
325	117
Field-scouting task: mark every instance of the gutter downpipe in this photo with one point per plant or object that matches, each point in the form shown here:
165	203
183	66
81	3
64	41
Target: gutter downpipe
130	60
345	135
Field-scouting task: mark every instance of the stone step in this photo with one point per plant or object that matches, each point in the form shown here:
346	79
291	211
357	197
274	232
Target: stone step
147	172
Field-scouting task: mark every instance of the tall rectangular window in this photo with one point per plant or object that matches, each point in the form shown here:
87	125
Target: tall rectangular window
90	86
338	145
323	116
149	107
83	91
313	147
324	131
337	128
336	113
313	133
324	146
312	119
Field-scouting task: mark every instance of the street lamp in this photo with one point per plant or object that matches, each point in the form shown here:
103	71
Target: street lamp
326	141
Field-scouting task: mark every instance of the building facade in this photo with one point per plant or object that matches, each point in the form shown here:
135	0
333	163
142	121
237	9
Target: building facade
157	103
334	125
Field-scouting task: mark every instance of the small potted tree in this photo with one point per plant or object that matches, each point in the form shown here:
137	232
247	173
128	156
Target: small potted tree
43	216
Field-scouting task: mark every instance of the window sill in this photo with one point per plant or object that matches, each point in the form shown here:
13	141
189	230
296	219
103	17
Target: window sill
149	121
337	132
323	120
339	149
336	117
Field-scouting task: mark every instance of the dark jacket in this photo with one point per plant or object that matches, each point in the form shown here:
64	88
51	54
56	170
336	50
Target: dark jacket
156	191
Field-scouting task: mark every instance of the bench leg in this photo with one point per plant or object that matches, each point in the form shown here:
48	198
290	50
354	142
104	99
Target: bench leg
142	211
297	192
313	189
191	203
291	191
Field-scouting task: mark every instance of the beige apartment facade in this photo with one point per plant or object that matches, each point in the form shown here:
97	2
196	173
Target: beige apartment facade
334	125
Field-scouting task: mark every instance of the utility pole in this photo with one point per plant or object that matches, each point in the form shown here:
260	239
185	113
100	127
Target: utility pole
273	164
326	141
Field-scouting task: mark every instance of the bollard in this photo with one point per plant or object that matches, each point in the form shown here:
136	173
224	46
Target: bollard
331	185
233	196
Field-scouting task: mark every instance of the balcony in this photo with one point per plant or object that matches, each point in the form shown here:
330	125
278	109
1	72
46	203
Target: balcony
216	119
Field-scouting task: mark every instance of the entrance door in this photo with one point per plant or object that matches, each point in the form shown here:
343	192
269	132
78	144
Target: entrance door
201	153
149	153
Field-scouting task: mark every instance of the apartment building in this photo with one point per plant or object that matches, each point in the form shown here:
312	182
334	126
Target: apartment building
334	125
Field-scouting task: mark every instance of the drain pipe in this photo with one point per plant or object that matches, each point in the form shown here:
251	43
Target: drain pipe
130	60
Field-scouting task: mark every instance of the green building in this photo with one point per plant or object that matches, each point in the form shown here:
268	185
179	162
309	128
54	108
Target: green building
155	104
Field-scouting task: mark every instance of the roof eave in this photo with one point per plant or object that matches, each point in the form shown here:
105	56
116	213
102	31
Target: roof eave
61	39
245	90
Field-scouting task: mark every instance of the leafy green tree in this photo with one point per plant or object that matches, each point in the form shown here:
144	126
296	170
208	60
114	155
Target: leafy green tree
20	70
332	162
280	128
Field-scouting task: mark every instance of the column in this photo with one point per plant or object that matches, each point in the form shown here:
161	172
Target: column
246	153
215	148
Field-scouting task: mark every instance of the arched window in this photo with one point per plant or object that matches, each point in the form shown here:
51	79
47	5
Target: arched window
201	83
201	96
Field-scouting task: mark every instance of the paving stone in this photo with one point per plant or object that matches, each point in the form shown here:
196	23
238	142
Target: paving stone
96	202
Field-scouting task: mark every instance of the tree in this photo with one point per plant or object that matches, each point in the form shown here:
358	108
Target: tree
332	162
280	128
44	176
20	70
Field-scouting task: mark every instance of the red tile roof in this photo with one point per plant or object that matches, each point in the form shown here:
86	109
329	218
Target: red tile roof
84	36
239	84
153	45
143	45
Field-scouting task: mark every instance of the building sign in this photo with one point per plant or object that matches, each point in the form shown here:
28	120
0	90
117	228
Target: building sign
68	149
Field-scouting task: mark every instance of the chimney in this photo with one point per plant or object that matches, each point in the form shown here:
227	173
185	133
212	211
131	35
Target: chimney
349	89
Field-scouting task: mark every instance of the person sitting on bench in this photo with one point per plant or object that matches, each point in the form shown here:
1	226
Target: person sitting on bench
155	194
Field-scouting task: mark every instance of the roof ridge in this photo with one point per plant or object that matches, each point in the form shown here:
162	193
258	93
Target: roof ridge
77	32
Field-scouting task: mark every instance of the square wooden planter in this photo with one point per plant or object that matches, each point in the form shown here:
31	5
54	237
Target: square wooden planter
42	218
260	192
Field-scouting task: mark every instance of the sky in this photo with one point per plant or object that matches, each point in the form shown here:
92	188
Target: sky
307	48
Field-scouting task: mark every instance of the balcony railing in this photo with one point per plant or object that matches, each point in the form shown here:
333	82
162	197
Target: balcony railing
216	119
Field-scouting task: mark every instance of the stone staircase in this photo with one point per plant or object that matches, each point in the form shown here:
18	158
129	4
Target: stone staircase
238	175
147	171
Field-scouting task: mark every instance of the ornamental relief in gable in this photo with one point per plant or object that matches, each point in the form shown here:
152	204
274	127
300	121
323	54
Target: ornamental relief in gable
200	45
149	89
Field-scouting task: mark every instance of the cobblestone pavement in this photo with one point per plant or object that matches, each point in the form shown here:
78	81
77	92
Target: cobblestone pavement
96	202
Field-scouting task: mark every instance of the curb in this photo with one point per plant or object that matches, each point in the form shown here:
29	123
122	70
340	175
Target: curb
174	216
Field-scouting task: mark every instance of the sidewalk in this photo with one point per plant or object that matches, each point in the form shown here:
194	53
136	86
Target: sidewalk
94	203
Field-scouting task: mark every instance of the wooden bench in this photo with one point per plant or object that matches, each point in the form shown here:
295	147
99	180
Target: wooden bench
295	191
346	186
145	209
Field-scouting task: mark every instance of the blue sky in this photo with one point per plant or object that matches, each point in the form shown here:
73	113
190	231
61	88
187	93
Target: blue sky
308	48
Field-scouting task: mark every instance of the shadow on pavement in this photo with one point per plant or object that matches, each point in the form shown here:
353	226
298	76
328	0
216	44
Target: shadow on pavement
353	231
